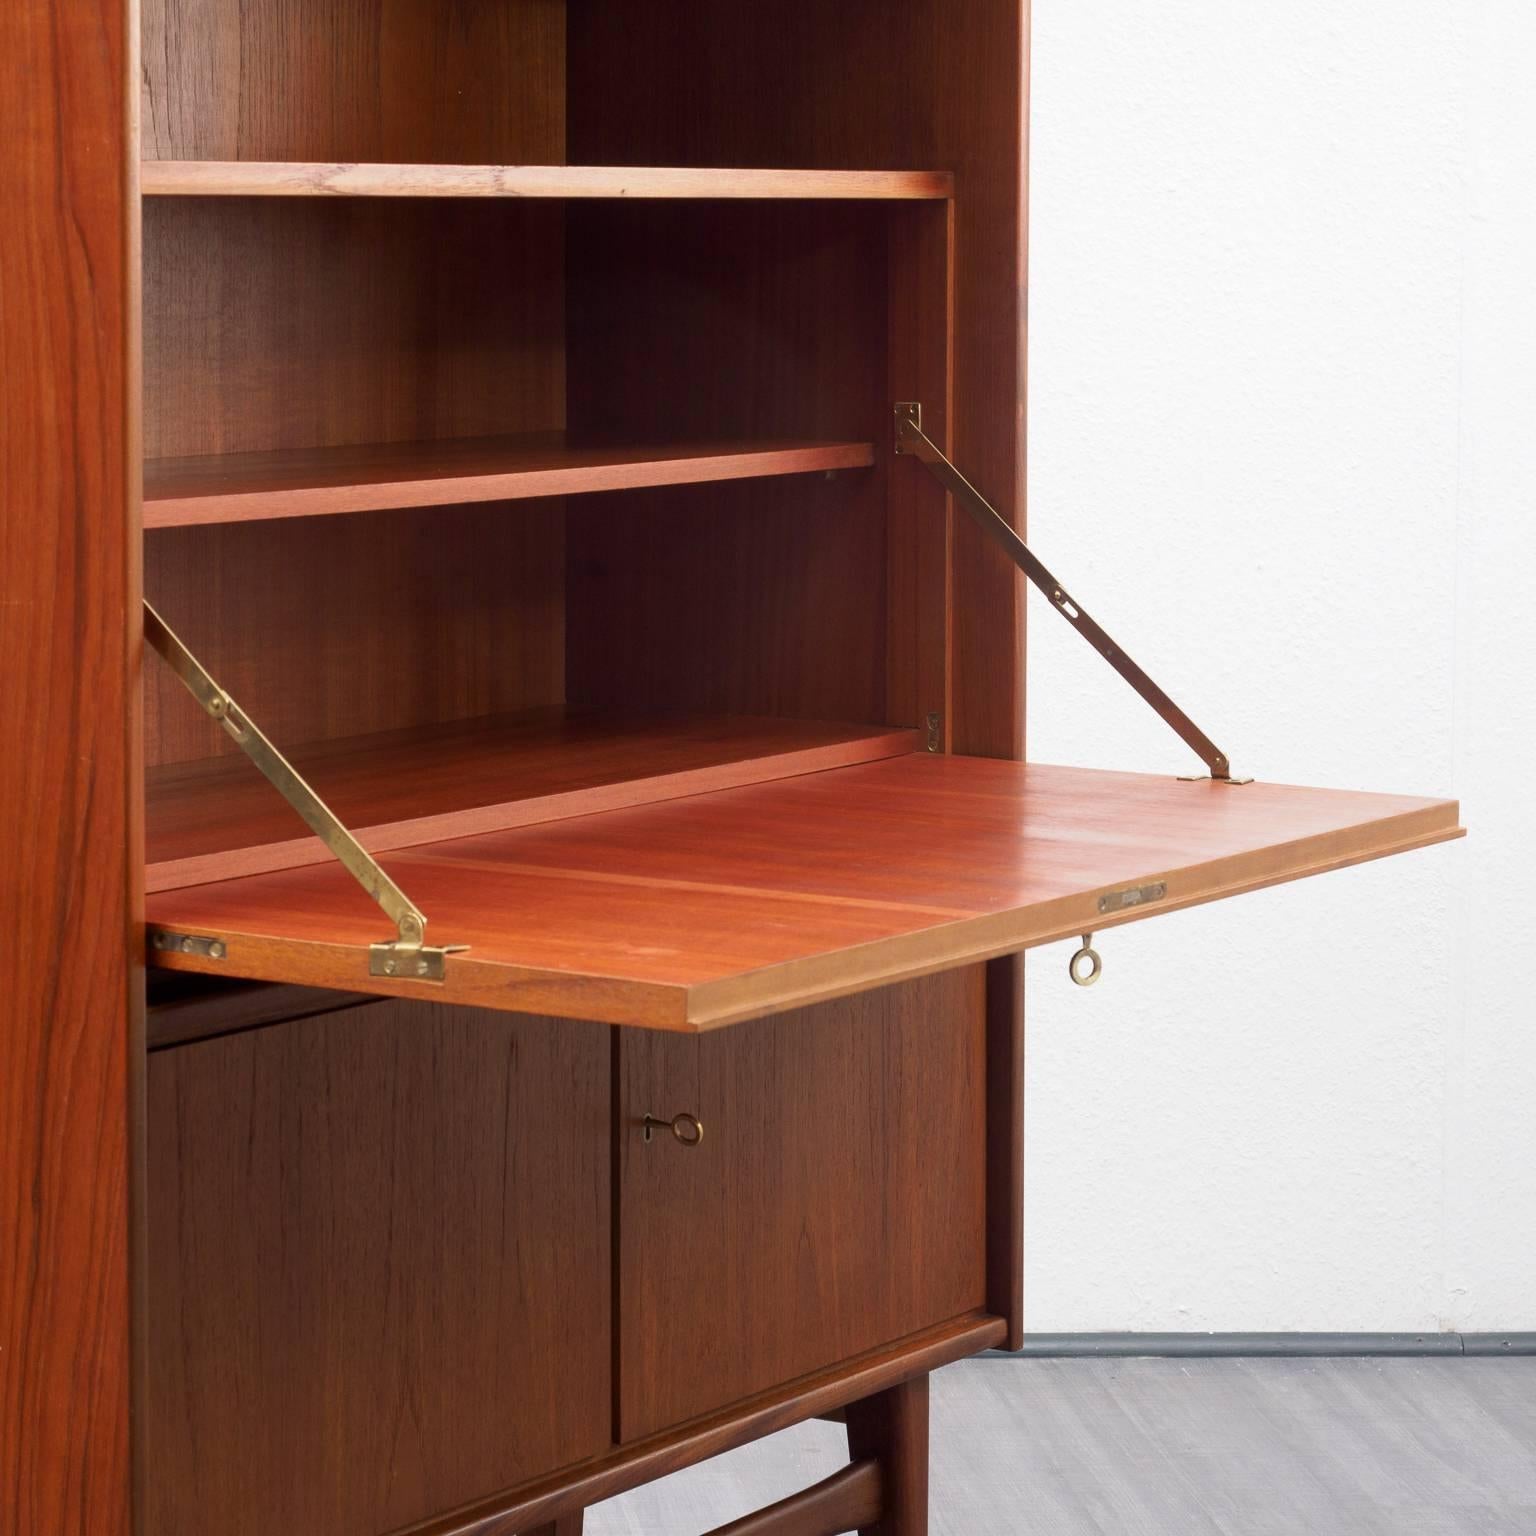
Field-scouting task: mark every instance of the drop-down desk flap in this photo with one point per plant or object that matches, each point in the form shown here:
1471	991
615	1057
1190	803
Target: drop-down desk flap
706	910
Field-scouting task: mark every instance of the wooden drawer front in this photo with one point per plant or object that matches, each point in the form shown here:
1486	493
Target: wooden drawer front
835	1203
379	1280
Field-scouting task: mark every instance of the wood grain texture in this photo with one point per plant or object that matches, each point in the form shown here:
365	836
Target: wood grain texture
704	911
825	1155
371	477
688	82
848	1500
182	1009
215	819
233	178
1005	1143
758	320
790	1403
70	1023
336	627
353	80
891	1428
379	1281
298	325
919	650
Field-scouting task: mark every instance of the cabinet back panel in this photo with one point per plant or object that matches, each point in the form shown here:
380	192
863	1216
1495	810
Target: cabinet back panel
427	81
292	325
337	626
378	1267
271	323
863	83
742	320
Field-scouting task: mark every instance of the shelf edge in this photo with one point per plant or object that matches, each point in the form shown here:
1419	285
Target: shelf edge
273	178
207	508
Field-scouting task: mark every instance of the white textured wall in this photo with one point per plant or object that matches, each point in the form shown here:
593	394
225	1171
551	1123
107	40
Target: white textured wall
1283	444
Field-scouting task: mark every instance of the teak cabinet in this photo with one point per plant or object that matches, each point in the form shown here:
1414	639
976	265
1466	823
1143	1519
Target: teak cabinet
532	420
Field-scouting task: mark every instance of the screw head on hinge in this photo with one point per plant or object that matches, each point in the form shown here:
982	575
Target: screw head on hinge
935	724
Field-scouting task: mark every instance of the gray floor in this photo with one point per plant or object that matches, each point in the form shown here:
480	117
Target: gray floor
1400	1447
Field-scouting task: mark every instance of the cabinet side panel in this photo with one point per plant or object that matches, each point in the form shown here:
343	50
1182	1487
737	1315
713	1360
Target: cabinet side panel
69	1032
836	1203
379	1267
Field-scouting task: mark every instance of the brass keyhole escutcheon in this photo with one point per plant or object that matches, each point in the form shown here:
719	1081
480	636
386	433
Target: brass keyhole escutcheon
686	1128
1085	967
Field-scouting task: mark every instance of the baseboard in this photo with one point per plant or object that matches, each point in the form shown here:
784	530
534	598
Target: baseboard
1050	1346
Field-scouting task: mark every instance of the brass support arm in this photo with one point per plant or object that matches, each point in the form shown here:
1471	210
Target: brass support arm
911	440
408	957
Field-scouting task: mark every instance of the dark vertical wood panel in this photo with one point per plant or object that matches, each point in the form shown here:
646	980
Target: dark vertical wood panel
919	659
70	1034
273	323
835	1204
866	83
1005	1143
379	1267
338	626
410	80
276	324
708	321
892	1429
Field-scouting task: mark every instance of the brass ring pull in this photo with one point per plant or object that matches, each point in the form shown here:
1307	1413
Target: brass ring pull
1095	966
688	1129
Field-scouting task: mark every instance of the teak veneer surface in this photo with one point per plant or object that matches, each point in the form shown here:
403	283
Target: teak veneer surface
71	1023
379	1285
700	912
273	178
227	488
216	818
326	628
807	1115
788	1403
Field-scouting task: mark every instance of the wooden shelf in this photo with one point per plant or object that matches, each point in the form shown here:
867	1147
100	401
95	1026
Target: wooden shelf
284	178
728	905
313	482
213	820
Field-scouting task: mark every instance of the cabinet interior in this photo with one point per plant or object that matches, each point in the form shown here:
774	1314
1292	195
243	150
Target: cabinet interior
518	433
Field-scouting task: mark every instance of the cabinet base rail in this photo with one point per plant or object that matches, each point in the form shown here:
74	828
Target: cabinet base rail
886	1398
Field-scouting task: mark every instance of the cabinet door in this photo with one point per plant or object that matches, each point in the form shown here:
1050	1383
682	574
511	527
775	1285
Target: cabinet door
378	1267
834	1204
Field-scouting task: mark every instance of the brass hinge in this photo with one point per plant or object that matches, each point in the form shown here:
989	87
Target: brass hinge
913	441
408	957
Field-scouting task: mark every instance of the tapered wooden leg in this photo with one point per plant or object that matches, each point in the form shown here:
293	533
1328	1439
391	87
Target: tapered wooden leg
566	1525
892	1428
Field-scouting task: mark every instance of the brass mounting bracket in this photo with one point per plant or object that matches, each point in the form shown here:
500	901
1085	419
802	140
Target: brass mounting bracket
912	441
408	957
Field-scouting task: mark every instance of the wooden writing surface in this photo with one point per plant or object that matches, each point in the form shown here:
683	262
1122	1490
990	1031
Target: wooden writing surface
703	911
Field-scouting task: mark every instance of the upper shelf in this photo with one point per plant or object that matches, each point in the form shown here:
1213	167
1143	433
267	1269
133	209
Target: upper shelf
699	912
309	482
284	178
